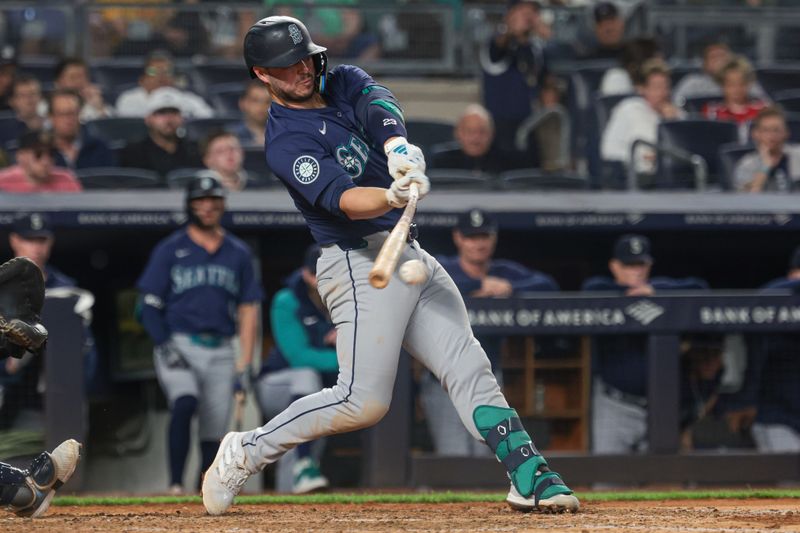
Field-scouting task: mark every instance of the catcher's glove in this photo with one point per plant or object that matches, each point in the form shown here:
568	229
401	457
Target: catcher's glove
21	300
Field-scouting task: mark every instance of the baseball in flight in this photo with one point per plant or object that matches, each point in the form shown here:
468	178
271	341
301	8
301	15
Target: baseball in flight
413	272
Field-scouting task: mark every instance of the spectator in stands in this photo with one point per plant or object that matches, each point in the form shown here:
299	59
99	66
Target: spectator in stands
8	69
223	154
619	406
162	150
513	68
773	165
74	148
474	148
638	117
32	237
185	35
769	401
302	360
736	78
254	105
35	171
159	72
716	55
477	274
635	53
607	38
72	73
29	109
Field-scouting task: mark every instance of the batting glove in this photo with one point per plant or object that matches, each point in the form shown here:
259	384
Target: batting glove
240	383
403	157
397	194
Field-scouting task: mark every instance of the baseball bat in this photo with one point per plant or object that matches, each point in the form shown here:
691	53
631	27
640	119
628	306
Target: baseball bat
238	411
393	246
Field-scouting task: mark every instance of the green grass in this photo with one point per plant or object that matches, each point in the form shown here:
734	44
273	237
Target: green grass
434	497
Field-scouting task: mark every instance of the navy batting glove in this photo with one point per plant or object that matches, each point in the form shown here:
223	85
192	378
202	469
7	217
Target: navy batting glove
240	383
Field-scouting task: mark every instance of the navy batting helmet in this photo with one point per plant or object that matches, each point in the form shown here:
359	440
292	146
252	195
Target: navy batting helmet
205	184
281	42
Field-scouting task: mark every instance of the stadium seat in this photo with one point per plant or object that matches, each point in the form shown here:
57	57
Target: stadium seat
426	133
206	76
112	74
255	163
198	128
225	98
789	100
729	155
42	69
777	79
117	131
697	137
456	178
695	104
536	179
180	177
678	72
118	178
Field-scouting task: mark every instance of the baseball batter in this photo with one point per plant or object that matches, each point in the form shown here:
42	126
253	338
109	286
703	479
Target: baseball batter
337	142
27	493
197	287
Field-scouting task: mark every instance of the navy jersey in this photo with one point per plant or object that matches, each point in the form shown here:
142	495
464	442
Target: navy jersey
320	153
621	360
522	279
194	291
773	372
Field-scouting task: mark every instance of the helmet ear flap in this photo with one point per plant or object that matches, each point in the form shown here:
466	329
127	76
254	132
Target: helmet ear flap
321	70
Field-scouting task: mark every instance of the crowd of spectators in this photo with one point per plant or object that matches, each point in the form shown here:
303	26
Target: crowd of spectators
536	114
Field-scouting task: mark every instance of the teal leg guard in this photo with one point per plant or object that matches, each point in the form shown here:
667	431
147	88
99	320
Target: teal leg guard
503	432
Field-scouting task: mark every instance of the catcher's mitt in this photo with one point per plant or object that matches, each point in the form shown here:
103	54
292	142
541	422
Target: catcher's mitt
21	300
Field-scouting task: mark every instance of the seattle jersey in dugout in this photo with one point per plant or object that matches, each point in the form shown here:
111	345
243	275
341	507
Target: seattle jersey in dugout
200	292
320	153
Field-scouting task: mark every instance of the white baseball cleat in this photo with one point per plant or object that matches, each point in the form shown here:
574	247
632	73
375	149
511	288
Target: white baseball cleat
558	503
226	476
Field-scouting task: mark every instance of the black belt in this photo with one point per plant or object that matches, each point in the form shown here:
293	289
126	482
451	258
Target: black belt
615	393
359	243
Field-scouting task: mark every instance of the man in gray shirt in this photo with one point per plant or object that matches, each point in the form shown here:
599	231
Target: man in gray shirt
773	165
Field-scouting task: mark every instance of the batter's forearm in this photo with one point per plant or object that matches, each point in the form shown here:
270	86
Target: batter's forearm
248	329
363	203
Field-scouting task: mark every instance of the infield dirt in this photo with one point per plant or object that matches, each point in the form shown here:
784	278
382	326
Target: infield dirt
694	516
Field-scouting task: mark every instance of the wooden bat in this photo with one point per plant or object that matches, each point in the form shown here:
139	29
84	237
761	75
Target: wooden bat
238	411
387	259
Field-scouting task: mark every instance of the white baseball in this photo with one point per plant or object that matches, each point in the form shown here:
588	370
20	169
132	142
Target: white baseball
413	272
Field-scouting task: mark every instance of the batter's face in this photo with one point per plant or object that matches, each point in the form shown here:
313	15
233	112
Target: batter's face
293	85
208	211
477	248
630	275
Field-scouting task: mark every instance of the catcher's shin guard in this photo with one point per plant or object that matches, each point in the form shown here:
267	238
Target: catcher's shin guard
536	485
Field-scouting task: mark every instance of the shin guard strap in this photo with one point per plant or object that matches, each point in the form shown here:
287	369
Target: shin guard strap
513	460
501	432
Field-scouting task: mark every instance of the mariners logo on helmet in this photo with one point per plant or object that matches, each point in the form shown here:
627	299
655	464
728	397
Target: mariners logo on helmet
305	169
295	34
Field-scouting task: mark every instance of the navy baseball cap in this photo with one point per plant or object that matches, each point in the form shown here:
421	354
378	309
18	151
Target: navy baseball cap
605	10
632	249
476	222
310	258
32	226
